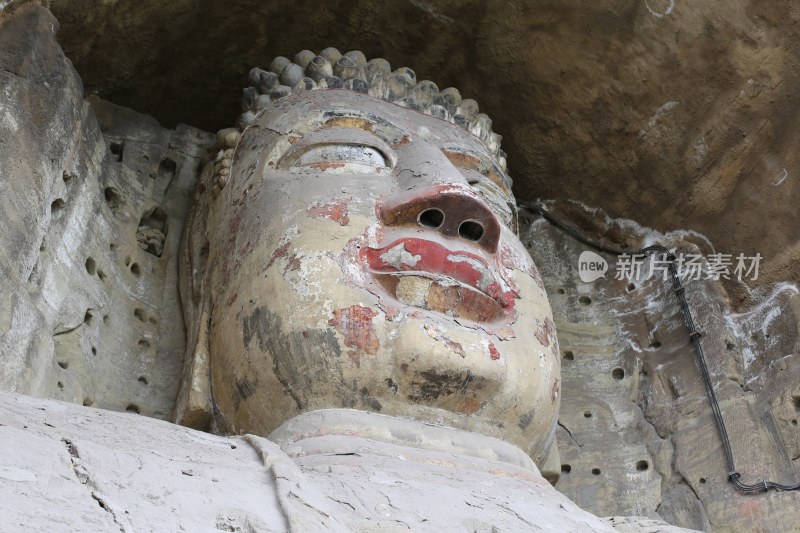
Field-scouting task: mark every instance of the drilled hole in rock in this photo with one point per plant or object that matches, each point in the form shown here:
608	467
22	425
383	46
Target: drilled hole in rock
112	246
631	287
57	205
143	380
41	248
702	481
618	373
60	385
561	291
794	422
167	168
585	300
569	355
101	275
113	198
431	218
641	466
140	315
63	364
566	469
105	319
729	345
596	471
94	350
655	345
136	270
143	343
796	403
91	266
233	446
587	414
117	148
152	231
470	230
87	402
87	318
132	408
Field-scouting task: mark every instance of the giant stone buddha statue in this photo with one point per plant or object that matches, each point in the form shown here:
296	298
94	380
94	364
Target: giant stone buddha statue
365	332
354	246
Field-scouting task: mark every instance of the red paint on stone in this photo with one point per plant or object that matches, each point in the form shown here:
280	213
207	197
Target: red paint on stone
280	251
546	332
468	268
511	259
355	325
335	210
493	352
292	263
452	345
391	312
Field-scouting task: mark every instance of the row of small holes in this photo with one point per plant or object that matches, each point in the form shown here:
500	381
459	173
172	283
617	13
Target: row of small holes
641	466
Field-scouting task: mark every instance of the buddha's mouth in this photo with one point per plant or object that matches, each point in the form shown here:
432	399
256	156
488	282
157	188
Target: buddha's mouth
427	275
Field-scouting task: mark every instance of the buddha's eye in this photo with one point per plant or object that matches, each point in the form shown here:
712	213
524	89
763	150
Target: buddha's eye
342	159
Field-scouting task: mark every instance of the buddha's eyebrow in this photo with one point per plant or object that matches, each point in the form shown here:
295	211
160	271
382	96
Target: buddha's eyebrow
360	123
377	125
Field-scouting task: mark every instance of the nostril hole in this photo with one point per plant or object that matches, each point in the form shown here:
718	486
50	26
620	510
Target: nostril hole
470	230
431	218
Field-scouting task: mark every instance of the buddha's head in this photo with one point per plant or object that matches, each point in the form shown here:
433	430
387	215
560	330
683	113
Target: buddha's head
355	246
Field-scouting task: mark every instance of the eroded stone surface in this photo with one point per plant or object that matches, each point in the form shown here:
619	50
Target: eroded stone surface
92	215
83	469
636	435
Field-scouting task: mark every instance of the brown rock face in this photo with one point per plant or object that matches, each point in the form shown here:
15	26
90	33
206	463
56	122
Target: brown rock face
675	114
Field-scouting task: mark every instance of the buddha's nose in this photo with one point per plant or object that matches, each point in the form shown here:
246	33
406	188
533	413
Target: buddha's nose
455	211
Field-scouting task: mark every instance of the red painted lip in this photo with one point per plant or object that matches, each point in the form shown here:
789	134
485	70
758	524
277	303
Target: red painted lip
424	257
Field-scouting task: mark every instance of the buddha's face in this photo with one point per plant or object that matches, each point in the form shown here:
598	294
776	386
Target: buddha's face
363	255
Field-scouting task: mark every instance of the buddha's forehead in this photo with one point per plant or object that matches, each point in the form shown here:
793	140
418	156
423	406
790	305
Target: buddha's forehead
310	111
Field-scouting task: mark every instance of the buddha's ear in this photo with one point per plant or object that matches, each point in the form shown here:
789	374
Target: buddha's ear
195	246
193	405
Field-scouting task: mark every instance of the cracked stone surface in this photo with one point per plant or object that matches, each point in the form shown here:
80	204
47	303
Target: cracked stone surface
88	314
83	469
636	434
